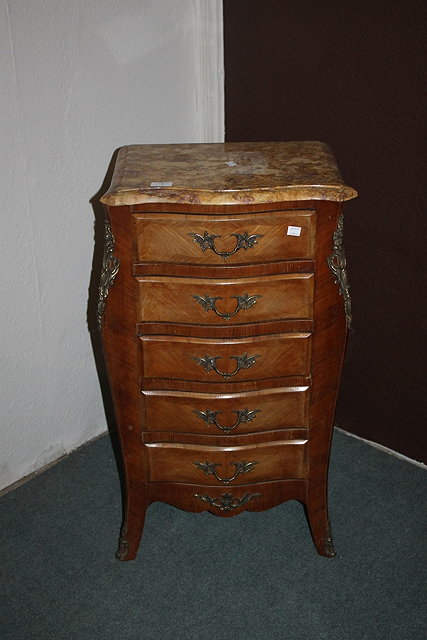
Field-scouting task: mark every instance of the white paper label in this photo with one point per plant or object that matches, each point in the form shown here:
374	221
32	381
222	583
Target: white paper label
161	184
294	231
231	163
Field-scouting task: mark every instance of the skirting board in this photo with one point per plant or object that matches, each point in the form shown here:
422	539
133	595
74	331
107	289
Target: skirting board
52	463
391	452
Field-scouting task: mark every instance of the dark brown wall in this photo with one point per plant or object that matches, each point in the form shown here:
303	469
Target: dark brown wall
352	73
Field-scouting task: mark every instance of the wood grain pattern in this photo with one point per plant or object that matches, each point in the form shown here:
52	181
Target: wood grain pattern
261	269
226	386
165	237
186	300
179	462
285	353
225	331
265	495
180	411
243	439
121	356
327	356
179	358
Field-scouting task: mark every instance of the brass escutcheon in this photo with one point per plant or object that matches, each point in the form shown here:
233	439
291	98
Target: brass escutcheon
209	468
243	302
208	363
243	241
243	415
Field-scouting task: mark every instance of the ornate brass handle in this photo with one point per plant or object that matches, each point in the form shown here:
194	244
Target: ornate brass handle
242	362
227	502
209	468
243	302
243	241
243	415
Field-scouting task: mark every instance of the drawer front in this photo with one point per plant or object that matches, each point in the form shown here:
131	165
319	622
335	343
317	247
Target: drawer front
225	465
243	239
208	360
235	413
226	501
205	301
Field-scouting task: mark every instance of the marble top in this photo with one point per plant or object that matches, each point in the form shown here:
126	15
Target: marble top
226	173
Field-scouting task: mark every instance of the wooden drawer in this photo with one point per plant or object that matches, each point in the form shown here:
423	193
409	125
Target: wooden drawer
218	360
225	465
234	413
225	500
206	301
224	239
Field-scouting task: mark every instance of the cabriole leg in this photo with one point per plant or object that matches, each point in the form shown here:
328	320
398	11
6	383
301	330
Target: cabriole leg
320	529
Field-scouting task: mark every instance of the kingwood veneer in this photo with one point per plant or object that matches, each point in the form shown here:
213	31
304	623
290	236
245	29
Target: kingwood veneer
223	307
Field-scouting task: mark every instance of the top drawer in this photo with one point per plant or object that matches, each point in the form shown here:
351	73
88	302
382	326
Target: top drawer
225	239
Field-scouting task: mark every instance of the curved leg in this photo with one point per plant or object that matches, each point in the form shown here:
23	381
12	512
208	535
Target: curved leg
131	531
320	528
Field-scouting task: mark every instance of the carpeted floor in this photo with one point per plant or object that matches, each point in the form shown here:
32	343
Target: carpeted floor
255	576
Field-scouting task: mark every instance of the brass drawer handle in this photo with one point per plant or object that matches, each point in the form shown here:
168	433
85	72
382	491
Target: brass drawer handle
243	303
227	502
243	415
242	362
243	241
209	468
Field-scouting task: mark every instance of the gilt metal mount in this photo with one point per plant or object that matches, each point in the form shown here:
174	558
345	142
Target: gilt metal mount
243	303
209	468
243	241
208	363
227	502
338	265
328	543
123	549
110	269
243	415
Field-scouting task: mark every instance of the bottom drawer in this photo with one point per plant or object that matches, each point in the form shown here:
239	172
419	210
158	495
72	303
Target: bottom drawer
211	465
226	501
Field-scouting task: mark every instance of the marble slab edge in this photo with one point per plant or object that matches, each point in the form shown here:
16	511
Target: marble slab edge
338	193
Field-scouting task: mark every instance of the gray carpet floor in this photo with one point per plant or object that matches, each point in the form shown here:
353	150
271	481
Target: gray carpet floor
255	576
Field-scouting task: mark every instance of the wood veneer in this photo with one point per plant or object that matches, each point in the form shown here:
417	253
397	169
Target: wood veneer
197	394
280	408
164	238
165	299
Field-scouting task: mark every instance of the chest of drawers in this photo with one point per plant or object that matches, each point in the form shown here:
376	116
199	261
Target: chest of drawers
223	307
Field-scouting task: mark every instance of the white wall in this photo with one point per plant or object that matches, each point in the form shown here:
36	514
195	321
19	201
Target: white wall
78	80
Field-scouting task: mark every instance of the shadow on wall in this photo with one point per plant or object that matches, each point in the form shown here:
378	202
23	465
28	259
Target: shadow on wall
92	308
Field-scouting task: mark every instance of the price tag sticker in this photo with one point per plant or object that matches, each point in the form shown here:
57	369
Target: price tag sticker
294	231
161	184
